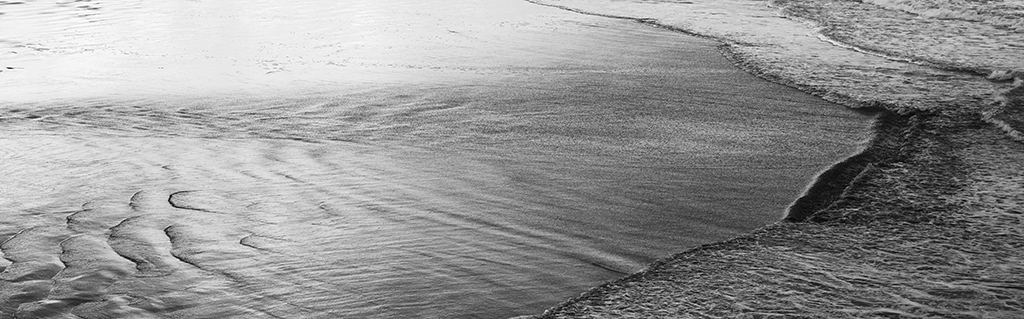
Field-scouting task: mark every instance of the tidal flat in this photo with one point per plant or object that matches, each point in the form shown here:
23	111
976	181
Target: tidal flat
482	159
367	159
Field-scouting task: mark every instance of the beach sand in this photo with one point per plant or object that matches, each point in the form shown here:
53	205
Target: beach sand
928	221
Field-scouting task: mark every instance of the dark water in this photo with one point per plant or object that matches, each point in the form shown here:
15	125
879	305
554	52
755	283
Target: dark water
477	159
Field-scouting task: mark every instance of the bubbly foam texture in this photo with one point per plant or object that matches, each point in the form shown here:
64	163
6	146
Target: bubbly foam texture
1007	14
858	54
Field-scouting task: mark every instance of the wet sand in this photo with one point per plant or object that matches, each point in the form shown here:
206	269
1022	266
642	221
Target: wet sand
925	222
931	227
473	160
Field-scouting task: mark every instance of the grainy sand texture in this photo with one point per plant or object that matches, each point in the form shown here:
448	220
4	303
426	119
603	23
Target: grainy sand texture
927	222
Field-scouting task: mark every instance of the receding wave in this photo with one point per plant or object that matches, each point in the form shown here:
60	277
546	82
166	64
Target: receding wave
938	68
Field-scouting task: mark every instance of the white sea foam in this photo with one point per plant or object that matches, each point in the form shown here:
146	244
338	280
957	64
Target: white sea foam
846	51
1007	14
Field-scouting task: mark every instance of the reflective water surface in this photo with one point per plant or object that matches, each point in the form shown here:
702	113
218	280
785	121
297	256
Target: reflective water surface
475	159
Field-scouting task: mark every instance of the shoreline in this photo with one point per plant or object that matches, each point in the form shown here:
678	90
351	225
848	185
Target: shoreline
844	242
830	184
893	135
919	185
869	254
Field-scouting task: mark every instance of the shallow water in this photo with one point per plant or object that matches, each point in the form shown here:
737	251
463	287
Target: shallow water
401	159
